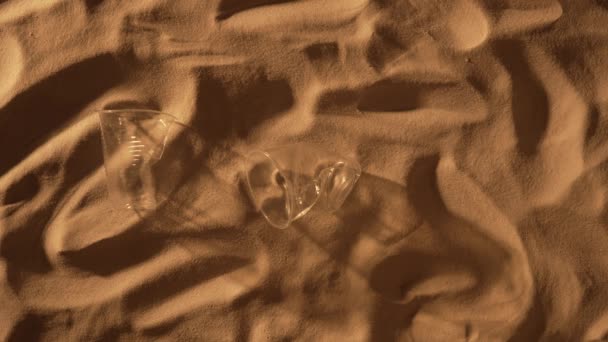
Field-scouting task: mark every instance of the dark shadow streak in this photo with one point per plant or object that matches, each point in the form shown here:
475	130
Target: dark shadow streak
226	113
29	328
182	278
228	8
530	104
23	248
35	115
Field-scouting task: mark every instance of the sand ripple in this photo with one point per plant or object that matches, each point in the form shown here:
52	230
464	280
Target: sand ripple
11	66
480	126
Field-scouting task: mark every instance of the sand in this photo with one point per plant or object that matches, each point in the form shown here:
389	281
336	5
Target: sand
481	127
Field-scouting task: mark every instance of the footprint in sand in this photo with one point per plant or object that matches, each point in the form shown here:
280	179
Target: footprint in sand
11	66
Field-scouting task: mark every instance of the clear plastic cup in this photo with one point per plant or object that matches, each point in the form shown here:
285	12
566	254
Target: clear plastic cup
284	183
133	141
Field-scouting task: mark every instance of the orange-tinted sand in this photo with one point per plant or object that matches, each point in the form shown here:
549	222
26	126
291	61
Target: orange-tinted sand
481	127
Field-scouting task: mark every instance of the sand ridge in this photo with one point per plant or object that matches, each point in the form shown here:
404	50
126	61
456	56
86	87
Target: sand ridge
480	126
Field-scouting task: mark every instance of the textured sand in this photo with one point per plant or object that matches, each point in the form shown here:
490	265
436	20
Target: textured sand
481	127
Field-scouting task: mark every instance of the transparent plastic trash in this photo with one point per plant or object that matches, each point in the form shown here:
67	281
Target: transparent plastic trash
133	141
284	183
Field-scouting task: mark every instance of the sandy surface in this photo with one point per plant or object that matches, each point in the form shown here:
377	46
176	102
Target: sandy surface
481	128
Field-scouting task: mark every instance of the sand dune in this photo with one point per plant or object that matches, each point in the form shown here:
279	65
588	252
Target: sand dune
12	63
480	127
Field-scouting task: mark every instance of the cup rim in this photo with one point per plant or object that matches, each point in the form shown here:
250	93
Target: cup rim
134	111
288	190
